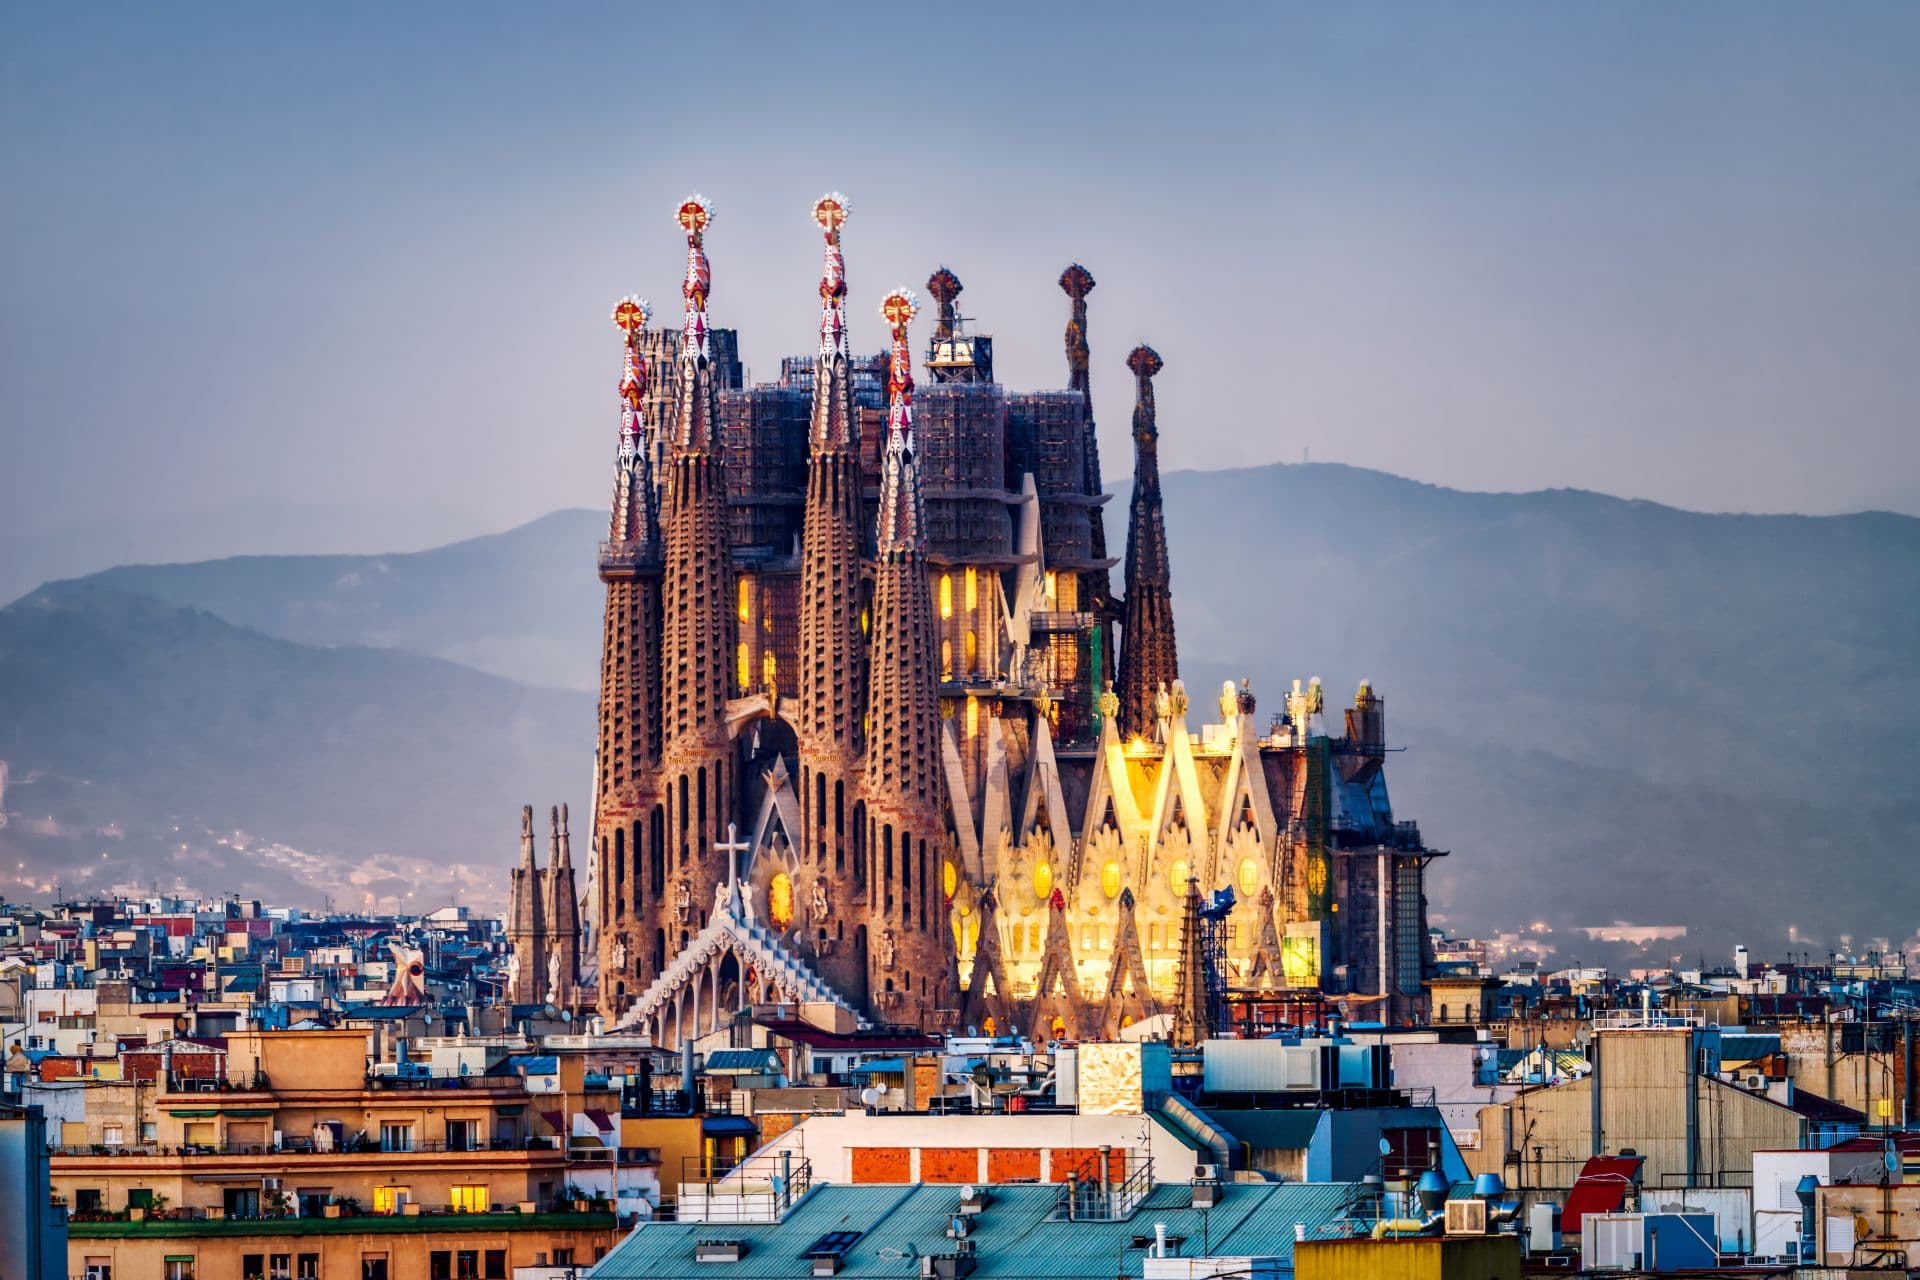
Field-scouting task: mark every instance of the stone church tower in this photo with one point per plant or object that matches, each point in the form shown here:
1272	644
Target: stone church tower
560	976
908	971
1148	662
699	783
527	922
830	689
629	827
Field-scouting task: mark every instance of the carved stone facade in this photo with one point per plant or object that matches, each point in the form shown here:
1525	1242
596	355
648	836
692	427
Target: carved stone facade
945	814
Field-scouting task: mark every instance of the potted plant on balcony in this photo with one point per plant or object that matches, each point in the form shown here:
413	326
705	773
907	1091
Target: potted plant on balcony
576	1197
277	1204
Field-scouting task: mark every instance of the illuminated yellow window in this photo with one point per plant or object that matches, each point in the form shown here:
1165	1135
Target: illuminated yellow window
470	1199
389	1199
946	595
973	715
973	653
866	621
973	588
769	668
780	900
949	878
1110	879
745	664
990	1026
1177	877
1042	880
746	600
1249	878
1053	587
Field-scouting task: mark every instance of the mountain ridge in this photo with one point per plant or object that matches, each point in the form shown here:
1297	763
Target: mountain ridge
1739	688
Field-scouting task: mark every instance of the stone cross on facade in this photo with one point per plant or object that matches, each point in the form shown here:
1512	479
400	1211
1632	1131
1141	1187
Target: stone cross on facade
733	847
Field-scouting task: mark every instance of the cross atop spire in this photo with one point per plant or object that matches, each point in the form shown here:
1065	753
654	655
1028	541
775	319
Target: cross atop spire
901	531
830	214
694	214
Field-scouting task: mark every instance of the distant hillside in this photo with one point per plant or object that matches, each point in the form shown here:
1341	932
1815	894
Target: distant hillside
142	719
1611	709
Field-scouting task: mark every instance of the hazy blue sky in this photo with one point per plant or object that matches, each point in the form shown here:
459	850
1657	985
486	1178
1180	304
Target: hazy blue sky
365	254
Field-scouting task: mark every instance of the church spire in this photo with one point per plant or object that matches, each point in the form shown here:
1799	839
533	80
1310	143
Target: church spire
904	786
831	685
633	533
832	423
902	526
699	432
1096	584
1148	660
699	778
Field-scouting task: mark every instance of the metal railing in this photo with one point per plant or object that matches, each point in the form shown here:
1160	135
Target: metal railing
754	1189
302	1149
1091	1194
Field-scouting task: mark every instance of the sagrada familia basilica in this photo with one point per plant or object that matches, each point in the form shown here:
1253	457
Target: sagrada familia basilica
866	737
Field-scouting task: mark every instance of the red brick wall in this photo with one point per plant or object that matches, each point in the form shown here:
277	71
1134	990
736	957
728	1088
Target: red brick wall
1013	1164
882	1164
1067	1160
949	1164
774	1123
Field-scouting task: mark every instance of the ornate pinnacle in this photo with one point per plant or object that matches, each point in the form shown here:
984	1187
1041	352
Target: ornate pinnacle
945	288
630	316
632	519
830	214
1145	362
694	215
1077	281
899	531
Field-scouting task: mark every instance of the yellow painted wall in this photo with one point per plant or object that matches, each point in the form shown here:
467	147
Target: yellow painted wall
1427	1258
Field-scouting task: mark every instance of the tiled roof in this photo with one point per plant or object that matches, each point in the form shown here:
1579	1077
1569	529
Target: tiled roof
1016	1236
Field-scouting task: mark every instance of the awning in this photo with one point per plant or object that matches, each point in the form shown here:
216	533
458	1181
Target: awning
727	1126
555	1121
601	1120
878	1066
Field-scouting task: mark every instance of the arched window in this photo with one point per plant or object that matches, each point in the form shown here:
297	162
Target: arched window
743	663
973	651
973	588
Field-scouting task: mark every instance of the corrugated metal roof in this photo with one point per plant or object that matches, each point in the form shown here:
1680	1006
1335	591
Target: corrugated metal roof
1016	1236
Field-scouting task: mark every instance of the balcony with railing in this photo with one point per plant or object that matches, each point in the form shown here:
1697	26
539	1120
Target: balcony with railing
753	1189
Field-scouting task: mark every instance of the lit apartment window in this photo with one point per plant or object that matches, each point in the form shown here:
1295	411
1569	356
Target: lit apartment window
396	1137
389	1199
470	1199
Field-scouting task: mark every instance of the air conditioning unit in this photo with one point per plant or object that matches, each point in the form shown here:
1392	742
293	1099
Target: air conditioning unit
1206	1173
1757	1083
1466	1217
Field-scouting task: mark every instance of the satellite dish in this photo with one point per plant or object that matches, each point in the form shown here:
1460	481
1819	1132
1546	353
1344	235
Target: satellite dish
871	1095
1386	1148
967	1192
566	1015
